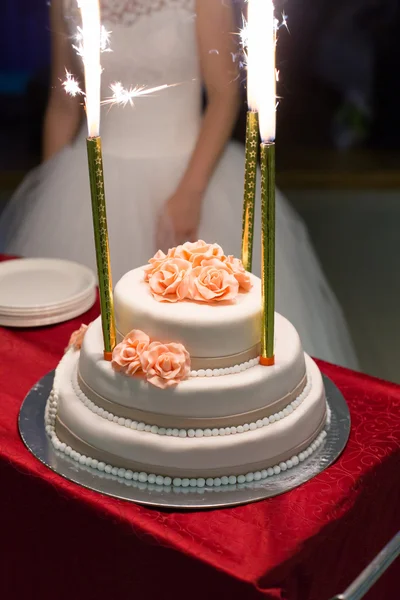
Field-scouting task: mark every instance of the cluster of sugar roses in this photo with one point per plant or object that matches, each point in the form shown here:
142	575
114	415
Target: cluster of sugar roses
196	271
163	365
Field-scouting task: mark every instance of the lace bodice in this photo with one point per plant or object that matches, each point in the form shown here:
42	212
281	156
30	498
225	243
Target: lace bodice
126	12
153	42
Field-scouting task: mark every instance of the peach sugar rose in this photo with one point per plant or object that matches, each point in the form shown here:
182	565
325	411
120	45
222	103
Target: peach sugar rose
157	261
165	364
76	339
212	283
126	356
195	252
237	269
170	283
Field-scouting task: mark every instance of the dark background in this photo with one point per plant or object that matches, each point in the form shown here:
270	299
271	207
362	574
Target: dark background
24	67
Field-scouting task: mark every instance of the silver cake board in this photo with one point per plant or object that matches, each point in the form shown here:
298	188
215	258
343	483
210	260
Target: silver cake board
32	429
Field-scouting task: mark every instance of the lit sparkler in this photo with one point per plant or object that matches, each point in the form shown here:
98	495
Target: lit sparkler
258	38
244	35
120	96
263	70
254	42
90	49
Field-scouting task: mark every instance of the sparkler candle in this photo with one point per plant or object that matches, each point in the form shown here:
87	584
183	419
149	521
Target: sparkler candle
249	194
267	252
265	33
249	40
91	47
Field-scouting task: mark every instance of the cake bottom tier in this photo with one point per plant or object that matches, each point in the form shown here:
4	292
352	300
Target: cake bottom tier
110	446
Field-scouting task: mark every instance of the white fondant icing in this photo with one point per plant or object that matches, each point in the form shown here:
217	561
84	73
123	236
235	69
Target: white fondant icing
206	330
154	429
202	397
178	482
226	452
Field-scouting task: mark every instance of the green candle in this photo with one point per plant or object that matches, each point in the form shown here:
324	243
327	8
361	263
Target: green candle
95	162
249	197
267	252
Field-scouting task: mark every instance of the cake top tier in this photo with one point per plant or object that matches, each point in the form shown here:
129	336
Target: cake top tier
196	296
206	330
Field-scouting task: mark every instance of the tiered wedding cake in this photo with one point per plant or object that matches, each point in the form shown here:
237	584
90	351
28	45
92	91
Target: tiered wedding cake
184	400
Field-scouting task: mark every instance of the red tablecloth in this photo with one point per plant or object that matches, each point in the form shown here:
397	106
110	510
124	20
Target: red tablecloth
61	541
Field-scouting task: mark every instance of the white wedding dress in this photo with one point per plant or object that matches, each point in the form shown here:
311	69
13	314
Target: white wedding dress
146	149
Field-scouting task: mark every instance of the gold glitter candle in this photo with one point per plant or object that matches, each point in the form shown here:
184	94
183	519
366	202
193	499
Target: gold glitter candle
249	197
267	252
101	243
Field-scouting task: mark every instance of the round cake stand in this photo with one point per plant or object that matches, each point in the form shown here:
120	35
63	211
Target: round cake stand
32	430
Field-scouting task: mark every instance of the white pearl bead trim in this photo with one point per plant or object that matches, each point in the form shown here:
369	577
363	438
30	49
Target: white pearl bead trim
227	371
175	432
165	481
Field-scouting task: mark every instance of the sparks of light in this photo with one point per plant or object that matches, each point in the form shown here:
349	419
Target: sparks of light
284	22
78	39
71	86
124	96
90	46
104	41
90	40
260	38
243	33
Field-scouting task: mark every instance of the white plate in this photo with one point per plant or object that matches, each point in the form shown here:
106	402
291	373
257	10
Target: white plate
48	319
39	284
52	310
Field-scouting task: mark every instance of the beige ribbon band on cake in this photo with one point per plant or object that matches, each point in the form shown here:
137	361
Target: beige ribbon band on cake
223	362
65	435
218	362
163	420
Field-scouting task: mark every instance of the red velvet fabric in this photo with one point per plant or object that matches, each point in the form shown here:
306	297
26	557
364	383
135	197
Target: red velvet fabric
62	541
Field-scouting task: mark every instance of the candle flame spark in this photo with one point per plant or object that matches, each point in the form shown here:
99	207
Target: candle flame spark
258	38
284	22
71	86
123	96
89	48
244	33
104	41
90	40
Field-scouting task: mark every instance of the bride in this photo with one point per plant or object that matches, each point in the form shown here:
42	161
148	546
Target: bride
171	173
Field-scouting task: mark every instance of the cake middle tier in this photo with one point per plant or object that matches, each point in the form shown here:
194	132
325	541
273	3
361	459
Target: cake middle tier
235	397
210	332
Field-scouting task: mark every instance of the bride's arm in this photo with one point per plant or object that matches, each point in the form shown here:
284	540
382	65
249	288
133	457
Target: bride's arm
180	219
63	113
216	42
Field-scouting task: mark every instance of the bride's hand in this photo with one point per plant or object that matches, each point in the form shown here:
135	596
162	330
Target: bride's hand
180	219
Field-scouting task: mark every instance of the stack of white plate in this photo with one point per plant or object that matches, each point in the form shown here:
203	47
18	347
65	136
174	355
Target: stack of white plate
43	291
